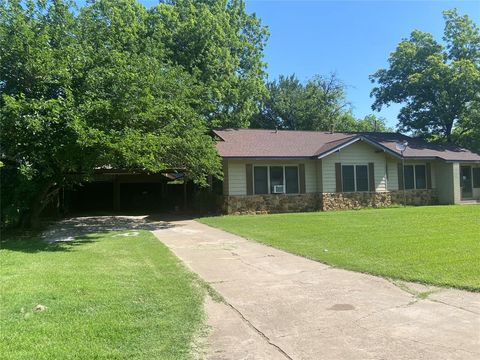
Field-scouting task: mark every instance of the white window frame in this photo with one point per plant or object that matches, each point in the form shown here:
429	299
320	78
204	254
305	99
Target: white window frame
284	178
355	177
415	176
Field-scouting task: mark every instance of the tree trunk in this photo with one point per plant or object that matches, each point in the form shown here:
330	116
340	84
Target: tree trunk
38	204
448	131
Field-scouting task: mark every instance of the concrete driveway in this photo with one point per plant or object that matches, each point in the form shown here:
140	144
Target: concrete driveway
281	306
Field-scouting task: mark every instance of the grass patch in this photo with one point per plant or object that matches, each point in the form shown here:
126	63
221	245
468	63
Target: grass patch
437	245
107	296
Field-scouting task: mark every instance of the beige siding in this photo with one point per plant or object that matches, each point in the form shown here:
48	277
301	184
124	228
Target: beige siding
358	153
310	177
318	170
320	174
392	179
448	182
225	177
237	183
433	165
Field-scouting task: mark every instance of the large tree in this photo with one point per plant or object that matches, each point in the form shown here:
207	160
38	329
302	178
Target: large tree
438	84
113	84
315	105
222	47
318	104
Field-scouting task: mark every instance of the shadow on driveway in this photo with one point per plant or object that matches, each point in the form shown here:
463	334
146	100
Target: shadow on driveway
63	235
70	229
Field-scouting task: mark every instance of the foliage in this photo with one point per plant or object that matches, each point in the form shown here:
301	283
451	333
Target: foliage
222	46
319	104
469	134
113	84
107	296
376	241
371	123
439	85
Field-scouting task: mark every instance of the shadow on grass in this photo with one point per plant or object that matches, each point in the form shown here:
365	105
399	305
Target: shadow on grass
66	234
33	242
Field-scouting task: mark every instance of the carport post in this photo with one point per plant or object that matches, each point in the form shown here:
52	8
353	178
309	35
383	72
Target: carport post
116	193
210	183
184	192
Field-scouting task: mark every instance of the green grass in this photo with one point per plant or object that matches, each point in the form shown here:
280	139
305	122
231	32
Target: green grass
107	297
437	245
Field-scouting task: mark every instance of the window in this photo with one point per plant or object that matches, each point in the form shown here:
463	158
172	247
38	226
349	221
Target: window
354	178
276	177
260	179
409	175
420	177
348	178
361	172
291	178
415	177
265	179
476	177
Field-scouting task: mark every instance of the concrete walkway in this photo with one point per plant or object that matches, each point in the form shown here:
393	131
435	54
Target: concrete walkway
281	306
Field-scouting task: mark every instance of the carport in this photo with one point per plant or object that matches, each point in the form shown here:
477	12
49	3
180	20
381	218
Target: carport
127	191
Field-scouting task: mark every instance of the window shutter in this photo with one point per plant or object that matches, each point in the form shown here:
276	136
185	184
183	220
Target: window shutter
400	176
476	177
338	177
301	178
371	176
249	173
429	176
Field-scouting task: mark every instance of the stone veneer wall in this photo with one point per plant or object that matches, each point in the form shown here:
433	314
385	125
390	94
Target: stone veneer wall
264	204
357	200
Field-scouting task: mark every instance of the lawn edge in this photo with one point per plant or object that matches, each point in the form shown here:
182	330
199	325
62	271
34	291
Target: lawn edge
373	273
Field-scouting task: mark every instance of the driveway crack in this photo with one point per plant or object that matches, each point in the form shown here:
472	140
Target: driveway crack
417	296
259	332
454	306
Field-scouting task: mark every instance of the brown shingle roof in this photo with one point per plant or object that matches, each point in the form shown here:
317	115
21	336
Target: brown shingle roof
261	143
420	148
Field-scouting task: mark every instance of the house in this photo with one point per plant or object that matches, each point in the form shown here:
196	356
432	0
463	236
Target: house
280	171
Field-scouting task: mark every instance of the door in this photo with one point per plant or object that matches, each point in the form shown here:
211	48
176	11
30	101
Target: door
466	181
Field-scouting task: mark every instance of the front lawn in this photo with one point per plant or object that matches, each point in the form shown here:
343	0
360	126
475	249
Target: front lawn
437	245
106	296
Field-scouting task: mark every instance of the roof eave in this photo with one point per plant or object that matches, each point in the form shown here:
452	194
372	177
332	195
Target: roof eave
266	157
463	161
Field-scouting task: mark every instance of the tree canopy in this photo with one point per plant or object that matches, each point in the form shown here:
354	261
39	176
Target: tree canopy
318	104
437	83
112	84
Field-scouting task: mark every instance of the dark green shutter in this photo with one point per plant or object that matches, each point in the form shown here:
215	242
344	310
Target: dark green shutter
400	176
338	177
301	177
371	176
429	176
476	177
249	175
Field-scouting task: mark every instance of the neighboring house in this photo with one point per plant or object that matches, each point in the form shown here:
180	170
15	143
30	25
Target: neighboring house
279	171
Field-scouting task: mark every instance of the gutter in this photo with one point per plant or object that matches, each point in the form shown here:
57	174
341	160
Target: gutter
268	157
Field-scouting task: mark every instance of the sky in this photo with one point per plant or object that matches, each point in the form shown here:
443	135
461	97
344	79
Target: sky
351	38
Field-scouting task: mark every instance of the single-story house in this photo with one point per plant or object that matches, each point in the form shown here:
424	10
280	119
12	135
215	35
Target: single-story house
280	171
